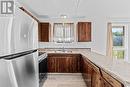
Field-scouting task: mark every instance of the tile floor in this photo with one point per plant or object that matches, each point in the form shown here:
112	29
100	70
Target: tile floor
64	80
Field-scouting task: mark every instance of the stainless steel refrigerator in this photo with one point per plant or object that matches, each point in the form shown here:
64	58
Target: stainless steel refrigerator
18	51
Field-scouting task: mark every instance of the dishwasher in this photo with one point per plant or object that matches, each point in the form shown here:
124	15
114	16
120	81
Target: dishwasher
42	67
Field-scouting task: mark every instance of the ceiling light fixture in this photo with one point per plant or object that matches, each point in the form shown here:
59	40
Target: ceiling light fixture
63	16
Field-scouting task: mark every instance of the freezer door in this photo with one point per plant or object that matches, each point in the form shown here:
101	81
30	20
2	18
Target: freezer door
26	70
5	35
35	35
22	32
18	33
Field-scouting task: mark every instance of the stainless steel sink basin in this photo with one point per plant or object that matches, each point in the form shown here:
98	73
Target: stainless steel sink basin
63	51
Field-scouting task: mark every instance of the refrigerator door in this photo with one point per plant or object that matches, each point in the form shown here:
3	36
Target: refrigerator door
5	35
6	76
22	32
18	33
25	69
35	35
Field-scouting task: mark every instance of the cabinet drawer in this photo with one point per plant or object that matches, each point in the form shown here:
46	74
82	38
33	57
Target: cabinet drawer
111	80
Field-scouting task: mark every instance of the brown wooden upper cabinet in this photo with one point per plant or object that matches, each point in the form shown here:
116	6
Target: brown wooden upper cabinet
84	31
43	32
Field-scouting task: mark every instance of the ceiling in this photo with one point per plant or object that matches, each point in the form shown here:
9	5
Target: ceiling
54	8
76	8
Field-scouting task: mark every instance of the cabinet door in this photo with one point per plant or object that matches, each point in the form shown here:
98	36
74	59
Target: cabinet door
43	32
104	83
91	74
62	65
73	63
56	63
84	31
96	78
51	63
96	75
114	82
87	73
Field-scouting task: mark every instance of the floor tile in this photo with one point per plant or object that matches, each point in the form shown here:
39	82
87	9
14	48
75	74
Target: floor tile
64	80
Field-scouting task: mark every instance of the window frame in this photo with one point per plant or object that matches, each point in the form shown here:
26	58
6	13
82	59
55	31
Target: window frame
125	42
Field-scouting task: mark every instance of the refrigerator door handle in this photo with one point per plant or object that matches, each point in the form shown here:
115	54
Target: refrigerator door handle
14	56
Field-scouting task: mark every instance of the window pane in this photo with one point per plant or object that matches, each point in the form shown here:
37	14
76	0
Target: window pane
118	36
118	54
58	30
69	32
63	32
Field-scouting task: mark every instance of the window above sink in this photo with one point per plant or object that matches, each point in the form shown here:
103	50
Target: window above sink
63	32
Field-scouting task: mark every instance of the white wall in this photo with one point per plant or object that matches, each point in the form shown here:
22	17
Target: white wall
101	12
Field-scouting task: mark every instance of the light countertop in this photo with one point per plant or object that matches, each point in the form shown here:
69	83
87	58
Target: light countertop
119	69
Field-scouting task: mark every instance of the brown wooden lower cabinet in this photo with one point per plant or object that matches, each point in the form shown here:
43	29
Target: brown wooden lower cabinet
96	77
104	83
64	63
93	75
111	80
87	72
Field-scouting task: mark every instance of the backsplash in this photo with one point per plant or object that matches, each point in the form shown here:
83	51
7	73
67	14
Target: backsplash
65	45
